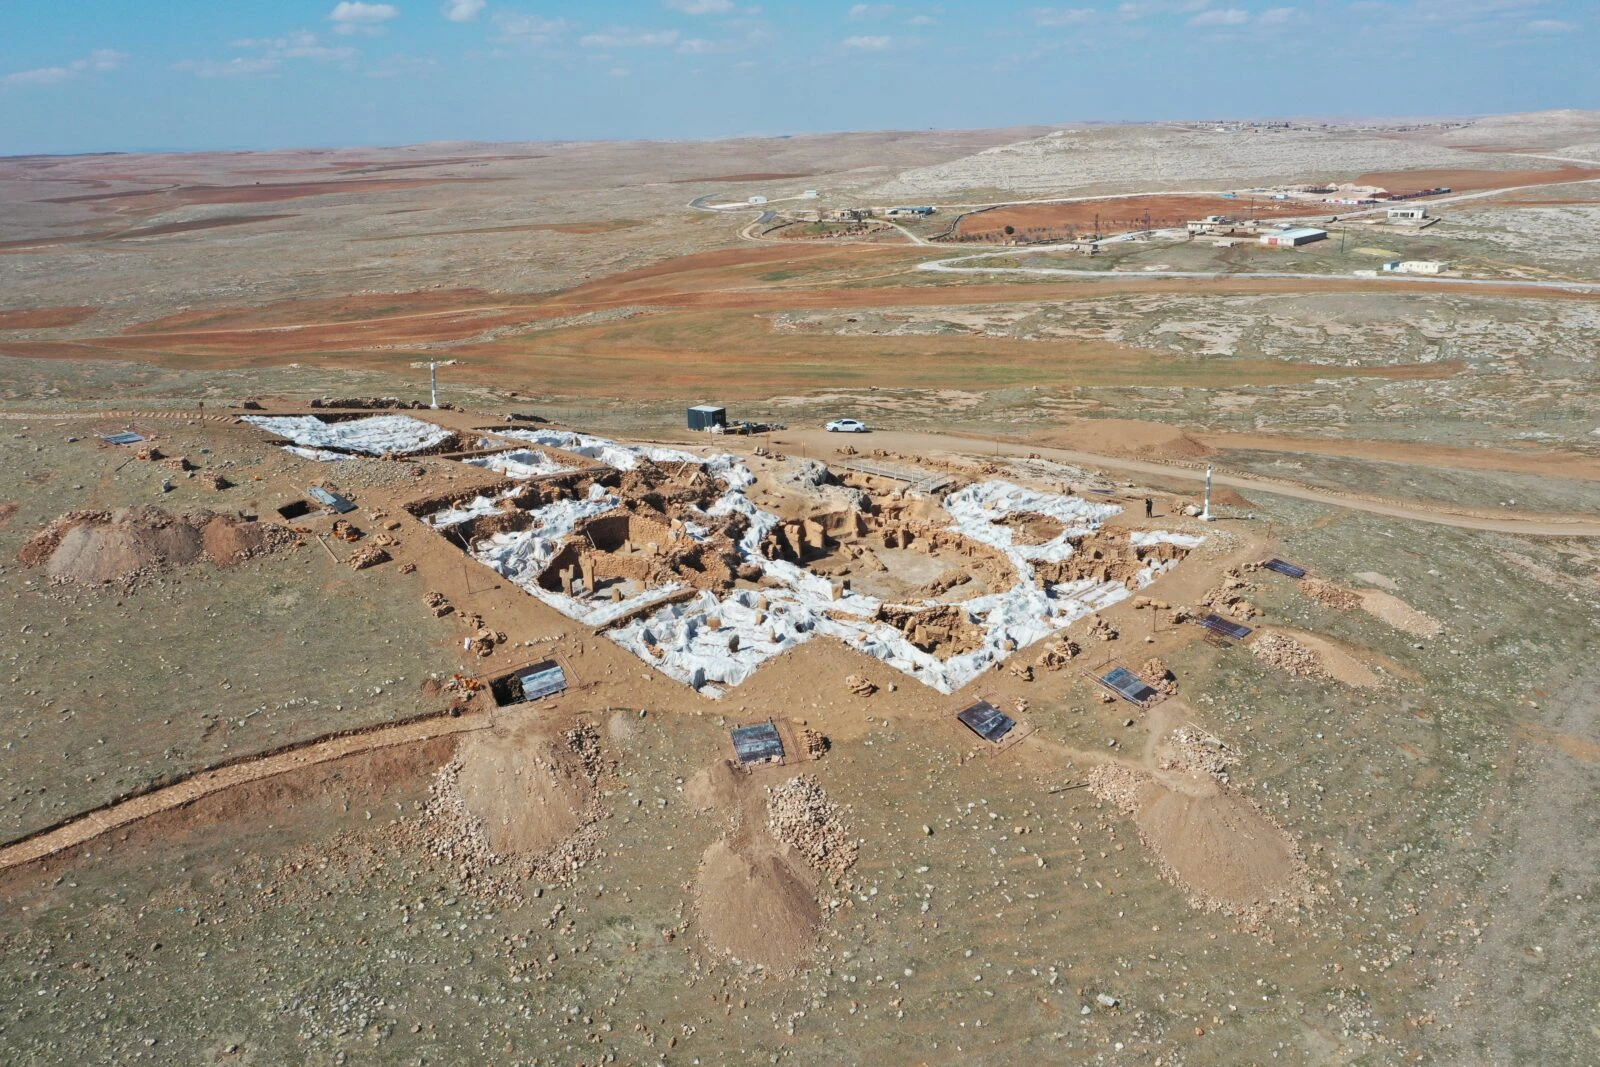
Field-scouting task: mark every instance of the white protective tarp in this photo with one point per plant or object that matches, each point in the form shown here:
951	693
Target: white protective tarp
518	463
375	435
318	454
622	457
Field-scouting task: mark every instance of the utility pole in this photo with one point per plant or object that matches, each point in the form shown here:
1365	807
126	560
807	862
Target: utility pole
1205	515
433	381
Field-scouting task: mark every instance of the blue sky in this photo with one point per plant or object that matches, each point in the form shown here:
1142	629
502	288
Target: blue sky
90	75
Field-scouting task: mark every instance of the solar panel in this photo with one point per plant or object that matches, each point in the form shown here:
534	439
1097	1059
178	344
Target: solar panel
126	438
1283	567
987	721
1218	625
331	500
758	744
542	680
1129	686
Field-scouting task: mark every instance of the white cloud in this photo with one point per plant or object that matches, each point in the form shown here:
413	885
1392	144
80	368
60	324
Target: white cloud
529	29
1224	16
698	46
1068	16
922	20
701	7
240	67
1549	26
100	60
618	72
869	44
870	11
41	76
462	10
356	16
297	45
626	38
1274	16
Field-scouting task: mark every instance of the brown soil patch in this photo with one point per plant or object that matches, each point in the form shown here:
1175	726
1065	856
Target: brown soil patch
44	318
7	509
1030	529
753	176
1404	181
1397	613
757	902
1209	840
1125	213
145	201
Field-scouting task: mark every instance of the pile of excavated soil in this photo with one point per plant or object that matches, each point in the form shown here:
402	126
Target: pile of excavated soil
714	788
1227	497
1210	841
1397	613
1287	654
229	541
96	547
529	790
757	902
757	886
1334	596
517	806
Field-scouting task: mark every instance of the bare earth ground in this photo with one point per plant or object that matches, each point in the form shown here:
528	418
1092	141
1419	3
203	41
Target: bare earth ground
280	866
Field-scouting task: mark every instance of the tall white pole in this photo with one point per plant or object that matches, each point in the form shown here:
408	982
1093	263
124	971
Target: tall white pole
1205	516
433	379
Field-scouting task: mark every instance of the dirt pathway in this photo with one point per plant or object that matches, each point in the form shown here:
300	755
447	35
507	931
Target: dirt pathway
86	827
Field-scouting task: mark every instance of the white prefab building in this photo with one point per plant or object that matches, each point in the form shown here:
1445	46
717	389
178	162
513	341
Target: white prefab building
1408	214
758	200
1302	235
1416	266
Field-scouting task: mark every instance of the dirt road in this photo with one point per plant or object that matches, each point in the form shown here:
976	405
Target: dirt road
820	443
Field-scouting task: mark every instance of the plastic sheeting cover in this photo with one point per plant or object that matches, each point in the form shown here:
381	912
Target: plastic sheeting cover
376	435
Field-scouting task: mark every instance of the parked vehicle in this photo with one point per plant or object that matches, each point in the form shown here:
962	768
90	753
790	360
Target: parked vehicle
846	426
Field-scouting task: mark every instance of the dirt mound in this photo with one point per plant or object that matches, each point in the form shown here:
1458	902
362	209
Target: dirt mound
529	790
1210	841
96	547
1334	596
1397	613
1287	654
518	806
230	541
758	902
1129	437
1223	496
714	788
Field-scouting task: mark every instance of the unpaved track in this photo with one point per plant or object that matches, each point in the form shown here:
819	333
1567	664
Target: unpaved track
84	828
820	443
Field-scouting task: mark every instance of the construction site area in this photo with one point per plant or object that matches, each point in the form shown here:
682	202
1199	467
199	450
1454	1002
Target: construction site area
1170	665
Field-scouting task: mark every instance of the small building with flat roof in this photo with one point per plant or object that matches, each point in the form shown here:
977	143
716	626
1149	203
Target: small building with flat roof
1300	235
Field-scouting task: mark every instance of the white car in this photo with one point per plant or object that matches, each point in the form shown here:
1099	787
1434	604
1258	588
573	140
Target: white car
846	426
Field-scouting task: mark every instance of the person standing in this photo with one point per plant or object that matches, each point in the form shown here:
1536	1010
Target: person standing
1149	507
